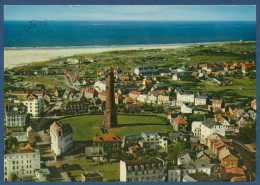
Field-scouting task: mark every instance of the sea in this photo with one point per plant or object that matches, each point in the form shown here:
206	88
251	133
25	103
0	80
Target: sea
35	33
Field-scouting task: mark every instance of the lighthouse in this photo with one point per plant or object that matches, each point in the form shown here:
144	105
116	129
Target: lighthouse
110	116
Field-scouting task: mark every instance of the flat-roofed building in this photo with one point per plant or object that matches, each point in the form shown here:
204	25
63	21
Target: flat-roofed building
22	162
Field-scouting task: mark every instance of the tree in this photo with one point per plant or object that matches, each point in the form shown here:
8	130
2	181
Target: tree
13	177
11	142
177	149
197	117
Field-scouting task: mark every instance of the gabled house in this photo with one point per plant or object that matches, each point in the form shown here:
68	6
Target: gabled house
179	124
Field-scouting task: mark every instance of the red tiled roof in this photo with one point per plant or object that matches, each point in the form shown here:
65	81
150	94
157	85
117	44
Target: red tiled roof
20	92
27	147
148	81
107	137
180	120
217	102
235	170
90	90
135	93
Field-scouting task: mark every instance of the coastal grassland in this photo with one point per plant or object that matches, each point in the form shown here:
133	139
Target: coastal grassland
86	127
52	80
163	58
243	86
110	171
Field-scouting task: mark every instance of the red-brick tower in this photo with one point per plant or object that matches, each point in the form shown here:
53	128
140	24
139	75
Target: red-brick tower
110	111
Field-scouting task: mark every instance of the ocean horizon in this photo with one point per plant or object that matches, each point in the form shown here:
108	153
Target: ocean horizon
62	34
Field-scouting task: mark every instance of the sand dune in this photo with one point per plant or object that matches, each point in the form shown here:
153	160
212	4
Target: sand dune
21	56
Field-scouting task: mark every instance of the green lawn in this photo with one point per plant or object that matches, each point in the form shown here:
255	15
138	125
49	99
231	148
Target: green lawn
110	171
86	127
53	80
244	86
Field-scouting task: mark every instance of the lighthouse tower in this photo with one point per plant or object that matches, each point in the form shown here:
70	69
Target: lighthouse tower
110	116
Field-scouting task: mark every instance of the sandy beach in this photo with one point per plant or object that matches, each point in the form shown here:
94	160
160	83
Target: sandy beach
21	56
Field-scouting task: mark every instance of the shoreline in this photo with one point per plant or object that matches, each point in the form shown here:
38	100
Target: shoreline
17	56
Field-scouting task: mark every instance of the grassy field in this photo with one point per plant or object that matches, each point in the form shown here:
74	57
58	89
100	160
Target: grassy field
244	86
86	127
49	80
110	171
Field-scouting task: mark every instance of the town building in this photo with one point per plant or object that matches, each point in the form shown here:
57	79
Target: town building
95	153
22	162
209	127
100	86
152	138
196	128
200	100
61	137
179	124
163	140
164	99
91	177
146	70
34	106
90	93
110	142
134	94
16	115
228	158
31	134
77	107
102	95
189	98
150	170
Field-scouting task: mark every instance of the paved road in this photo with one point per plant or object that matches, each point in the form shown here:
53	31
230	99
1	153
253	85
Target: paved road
69	84
48	156
46	118
246	156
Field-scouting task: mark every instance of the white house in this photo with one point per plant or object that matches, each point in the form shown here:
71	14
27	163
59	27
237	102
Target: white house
179	173
150	170
134	94
174	174
196	128
163	140
189	98
176	77
22	162
152	98
61	138
186	109
75	61
146	70
34	106
42	174
228	126
100	86
16	116
164	99
142	98
209	127
201	100
152	138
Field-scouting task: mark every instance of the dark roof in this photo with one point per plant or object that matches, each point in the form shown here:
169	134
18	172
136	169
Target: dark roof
203	177
144	164
210	123
92	175
66	129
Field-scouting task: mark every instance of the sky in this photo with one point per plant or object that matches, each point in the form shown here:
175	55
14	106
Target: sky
131	12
